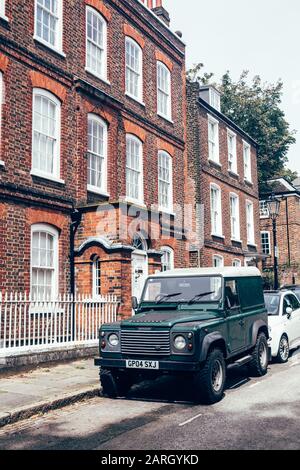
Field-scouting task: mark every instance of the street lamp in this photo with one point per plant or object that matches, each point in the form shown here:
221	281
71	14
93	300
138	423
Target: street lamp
274	207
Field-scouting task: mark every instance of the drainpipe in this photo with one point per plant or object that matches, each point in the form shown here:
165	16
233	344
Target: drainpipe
288	230
76	217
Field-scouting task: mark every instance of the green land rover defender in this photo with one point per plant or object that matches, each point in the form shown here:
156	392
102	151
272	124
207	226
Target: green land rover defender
189	322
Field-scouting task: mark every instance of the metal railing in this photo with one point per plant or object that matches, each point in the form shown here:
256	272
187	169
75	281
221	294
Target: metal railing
27	324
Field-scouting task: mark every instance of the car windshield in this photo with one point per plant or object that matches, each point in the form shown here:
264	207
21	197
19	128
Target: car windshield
194	289
272	302
297	292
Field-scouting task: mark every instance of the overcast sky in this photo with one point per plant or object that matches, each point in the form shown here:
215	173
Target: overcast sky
261	36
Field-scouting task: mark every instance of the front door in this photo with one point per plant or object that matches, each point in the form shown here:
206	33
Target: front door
139	266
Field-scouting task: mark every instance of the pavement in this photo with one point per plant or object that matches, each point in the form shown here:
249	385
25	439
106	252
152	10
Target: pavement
27	393
256	413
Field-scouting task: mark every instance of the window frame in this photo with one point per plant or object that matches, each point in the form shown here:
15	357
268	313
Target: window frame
215	157
96	268
167	116
236	238
2	10
103	190
268	233
263	210
138	98
169	251
49	229
219	226
238	261
57	154
58	47
220	258
88	69
247	164
232	134
140	200
250	241
161	208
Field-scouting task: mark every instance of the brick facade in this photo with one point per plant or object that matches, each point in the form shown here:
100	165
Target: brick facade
27	199
203	173
288	237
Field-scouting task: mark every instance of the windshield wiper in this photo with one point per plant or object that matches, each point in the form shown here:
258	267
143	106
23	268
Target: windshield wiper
168	296
198	296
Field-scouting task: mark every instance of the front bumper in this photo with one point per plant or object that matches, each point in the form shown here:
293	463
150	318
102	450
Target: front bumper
172	366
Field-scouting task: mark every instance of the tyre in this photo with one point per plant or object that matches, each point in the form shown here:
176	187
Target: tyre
210	380
283	350
114	384
260	357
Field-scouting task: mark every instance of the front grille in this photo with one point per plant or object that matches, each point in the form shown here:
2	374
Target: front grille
145	343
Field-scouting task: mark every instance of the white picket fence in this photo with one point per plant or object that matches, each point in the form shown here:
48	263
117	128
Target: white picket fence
27	324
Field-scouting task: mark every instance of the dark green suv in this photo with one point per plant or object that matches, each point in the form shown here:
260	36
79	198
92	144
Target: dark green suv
190	322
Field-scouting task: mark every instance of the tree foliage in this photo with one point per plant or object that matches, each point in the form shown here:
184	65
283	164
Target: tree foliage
255	107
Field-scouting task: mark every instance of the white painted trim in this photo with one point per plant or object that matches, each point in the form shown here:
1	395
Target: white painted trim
140	200
135	99
97	76
138	98
232	134
220	224
46	176
59	39
236	197
219	257
250	242
170	208
168	116
95	190
103	189
247	177
2	10
104	22
215	159
170	251
41	227
264	232
56	158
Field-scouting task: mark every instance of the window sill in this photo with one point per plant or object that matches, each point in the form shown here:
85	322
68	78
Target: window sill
165	211
216	235
235	240
253	245
233	173
134	98
45	176
104	80
52	48
2	164
166	118
250	183
214	162
135	202
4	18
95	190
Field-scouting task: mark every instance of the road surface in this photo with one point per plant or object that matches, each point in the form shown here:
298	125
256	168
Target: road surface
259	413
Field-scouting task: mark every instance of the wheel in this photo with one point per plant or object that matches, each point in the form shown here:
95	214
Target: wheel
210	381
283	350
114	384
260	359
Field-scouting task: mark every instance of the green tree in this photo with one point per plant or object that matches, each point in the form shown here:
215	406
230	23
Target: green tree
255	107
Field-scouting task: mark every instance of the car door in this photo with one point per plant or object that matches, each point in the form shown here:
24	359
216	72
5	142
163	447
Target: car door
236	326
291	321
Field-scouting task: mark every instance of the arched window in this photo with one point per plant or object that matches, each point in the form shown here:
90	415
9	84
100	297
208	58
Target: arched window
165	181
97	154
134	169
96	43
139	243
163	91
167	259
46	134
134	69
96	278
218	261
48	22
44	262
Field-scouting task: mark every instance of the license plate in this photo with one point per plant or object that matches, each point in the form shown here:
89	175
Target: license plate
136	364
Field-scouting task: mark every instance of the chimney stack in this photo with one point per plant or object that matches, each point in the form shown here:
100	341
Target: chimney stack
159	10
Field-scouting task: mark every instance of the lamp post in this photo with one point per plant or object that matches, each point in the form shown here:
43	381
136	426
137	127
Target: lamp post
274	208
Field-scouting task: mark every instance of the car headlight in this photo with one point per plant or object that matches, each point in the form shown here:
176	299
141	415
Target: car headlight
113	340
180	342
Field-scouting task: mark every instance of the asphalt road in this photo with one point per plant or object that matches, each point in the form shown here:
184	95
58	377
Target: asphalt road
254	414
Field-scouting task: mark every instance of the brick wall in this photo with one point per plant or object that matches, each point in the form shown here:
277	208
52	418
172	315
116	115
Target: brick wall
204	173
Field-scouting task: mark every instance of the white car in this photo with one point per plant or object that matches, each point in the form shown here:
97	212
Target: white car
284	323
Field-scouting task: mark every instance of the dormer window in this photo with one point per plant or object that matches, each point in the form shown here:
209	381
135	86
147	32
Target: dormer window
212	96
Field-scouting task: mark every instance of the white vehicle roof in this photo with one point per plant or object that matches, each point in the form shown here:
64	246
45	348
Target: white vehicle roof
224	272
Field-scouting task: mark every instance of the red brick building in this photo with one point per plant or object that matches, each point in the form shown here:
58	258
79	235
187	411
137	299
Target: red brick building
93	118
223	181
288	227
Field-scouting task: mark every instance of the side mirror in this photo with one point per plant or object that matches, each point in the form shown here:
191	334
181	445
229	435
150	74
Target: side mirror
134	303
289	312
